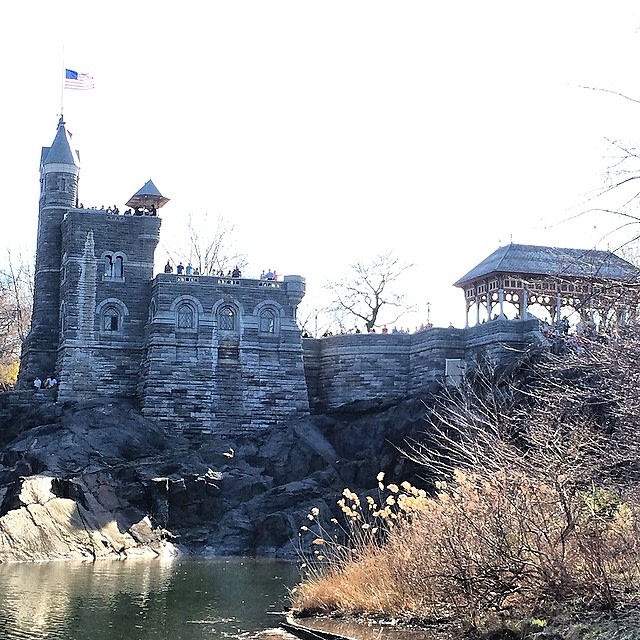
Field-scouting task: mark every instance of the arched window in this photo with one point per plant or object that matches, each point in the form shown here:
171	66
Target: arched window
268	321
153	307
185	318
119	267
114	266
111	319
227	319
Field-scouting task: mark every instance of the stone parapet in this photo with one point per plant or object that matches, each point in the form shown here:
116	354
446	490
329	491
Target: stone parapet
384	368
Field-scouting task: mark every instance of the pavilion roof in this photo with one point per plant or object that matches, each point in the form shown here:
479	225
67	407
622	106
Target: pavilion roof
146	196
532	260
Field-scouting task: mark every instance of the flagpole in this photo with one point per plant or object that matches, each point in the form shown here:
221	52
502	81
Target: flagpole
62	74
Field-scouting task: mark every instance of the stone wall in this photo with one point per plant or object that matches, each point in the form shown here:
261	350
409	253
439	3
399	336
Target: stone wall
384	368
23	409
107	267
356	367
223	354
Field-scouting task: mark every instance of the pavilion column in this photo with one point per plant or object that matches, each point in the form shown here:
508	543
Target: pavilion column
524	303
624	312
501	302
477	310
488	299
558	308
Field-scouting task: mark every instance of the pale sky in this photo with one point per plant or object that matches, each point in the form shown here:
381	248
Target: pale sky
330	131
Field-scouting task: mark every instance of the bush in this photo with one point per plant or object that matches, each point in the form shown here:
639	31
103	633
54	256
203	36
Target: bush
535	511
484	544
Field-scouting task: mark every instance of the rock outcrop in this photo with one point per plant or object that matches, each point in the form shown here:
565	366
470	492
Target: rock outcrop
49	518
95	479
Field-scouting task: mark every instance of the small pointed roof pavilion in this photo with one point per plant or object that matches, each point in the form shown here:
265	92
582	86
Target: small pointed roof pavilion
552	277
147	197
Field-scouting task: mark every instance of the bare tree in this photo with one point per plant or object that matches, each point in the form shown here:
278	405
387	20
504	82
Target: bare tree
620	194
210	247
570	412
16	299
368	290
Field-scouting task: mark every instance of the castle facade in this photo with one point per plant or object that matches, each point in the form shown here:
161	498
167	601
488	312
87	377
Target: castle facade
196	351
203	354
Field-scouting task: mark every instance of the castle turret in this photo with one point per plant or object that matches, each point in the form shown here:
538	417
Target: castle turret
59	172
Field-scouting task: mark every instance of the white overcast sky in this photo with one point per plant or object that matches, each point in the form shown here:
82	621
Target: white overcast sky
330	131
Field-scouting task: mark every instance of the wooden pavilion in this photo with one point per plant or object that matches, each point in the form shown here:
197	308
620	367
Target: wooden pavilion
598	285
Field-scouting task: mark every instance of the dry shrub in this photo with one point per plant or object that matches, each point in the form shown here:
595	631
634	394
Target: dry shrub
536	510
484	543
348	572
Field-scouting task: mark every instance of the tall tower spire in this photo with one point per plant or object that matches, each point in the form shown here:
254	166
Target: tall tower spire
59	173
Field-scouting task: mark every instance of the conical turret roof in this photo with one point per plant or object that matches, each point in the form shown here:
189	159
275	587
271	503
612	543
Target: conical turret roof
147	196
60	151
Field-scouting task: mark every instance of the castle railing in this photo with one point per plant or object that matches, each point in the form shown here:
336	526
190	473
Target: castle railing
223	280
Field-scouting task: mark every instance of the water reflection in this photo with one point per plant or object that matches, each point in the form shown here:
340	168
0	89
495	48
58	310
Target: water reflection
179	599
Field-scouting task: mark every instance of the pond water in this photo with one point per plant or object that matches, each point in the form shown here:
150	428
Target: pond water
179	599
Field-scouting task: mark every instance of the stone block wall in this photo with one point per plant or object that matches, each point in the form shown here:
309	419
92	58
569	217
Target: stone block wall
500	340
356	368
107	266
384	368
223	354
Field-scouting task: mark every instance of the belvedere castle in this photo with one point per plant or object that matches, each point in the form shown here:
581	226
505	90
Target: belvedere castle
209	354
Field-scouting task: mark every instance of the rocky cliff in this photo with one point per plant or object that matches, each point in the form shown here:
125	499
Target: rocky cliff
95	479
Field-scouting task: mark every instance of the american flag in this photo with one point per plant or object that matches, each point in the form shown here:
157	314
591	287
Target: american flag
77	80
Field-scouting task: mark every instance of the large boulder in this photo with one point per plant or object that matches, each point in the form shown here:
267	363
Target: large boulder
49	518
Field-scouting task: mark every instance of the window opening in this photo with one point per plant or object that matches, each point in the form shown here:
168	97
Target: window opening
119	267
227	319
185	317
268	321
111	320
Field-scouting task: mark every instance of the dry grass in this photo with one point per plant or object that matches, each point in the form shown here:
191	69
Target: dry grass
500	544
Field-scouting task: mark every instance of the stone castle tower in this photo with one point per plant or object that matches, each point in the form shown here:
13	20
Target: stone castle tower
200	353
59	172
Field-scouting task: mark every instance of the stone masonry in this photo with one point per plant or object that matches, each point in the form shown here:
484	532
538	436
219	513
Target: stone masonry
223	351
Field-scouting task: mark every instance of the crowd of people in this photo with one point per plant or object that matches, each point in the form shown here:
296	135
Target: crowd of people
563	337
268	275
236	272
384	329
181	269
114	210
